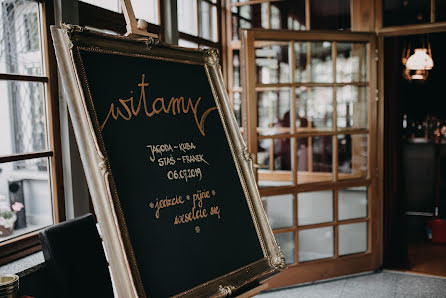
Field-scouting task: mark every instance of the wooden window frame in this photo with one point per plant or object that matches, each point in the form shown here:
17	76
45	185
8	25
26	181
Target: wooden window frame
23	245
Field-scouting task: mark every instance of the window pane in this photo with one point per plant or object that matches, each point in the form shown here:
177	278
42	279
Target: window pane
238	108
322	154
288	14
280	210
440	11
302	72
314	158
321	62
314	108
112	5
273	112
187	44
20	48
351	62
287	244
352	107
316	244
315	207
353	156
280	151
25	197
187	16
353	238
147	10
272	64
274	162
352	203
330	14
249	16
208	21
404	12
22	117
236	68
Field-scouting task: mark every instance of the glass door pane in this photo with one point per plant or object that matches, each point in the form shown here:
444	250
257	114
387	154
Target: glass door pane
311	133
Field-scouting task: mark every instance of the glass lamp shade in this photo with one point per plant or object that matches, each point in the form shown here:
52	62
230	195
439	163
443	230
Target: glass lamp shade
420	60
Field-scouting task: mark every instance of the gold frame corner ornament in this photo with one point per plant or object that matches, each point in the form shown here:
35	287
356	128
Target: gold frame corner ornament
212	57
68	42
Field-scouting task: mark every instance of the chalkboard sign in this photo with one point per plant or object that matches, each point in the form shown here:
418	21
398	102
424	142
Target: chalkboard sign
169	176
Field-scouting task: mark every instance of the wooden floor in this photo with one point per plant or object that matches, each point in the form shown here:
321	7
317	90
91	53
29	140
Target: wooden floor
428	258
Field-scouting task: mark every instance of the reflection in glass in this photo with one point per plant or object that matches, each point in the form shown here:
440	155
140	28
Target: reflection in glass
322	154
404	12
352	203
208	21
314	108
236	68
248	16
314	159
302	72
280	210
353	238
351	62
321	62
22	117
187	16
315	207
287	244
330	15
187	44
238	107
276	157
273	112
316	244
24	183
272	64
352	107
353	156
20	42
440	11
146	10
303	154
288	14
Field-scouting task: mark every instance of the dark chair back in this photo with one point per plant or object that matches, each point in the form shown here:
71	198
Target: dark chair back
75	259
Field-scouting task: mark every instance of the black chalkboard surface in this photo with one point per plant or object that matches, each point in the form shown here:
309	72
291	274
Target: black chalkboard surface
186	215
184	157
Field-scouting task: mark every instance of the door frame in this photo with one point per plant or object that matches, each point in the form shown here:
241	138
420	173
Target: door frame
382	33
337	265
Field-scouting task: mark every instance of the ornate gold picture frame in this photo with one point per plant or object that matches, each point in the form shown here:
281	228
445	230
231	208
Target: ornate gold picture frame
71	43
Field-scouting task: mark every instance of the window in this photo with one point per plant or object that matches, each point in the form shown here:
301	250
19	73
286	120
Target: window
404	12
107	16
198	23
198	20
143	9
400	12
270	14
28	162
31	26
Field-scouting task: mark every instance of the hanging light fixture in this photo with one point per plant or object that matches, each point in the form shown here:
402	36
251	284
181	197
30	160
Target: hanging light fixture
417	65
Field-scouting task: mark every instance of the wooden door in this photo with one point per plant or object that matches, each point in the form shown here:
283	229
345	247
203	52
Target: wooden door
310	118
